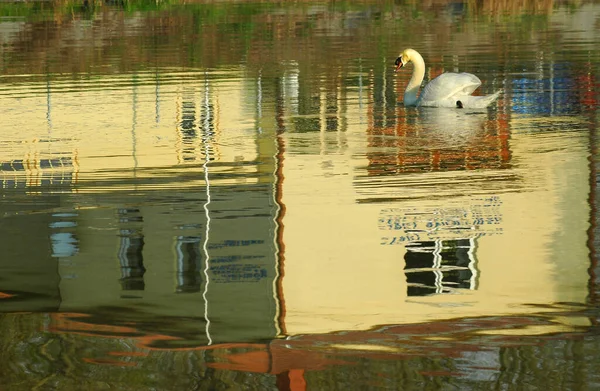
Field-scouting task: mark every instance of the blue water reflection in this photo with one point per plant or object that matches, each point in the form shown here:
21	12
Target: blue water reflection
557	90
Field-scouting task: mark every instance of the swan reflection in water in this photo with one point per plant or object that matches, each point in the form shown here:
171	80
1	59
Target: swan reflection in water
439	139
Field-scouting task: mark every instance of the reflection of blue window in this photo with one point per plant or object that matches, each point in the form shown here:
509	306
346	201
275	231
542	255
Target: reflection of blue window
189	263
554	95
434	267
64	244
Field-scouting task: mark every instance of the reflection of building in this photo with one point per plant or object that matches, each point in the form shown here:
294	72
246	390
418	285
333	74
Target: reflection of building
173	236
198	269
432	204
191	209
150	221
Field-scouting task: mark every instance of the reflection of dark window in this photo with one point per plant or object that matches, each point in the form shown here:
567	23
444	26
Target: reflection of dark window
331	124
440	266
188	119
55	172
194	118
130	215
188	130
189	263
307	124
131	260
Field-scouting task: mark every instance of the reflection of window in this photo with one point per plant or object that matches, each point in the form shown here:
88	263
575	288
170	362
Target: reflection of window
131	260
188	119
64	244
440	266
21	173
189	259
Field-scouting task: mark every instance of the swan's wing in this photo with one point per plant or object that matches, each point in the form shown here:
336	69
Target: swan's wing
447	85
478	102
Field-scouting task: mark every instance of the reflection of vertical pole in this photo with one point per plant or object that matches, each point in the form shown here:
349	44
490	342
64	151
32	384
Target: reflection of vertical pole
279	215
383	94
437	266
473	265
594	221
322	117
133	124
157	99
48	105
360	91
206	141
279	212
292	380
340	118
551	84
259	101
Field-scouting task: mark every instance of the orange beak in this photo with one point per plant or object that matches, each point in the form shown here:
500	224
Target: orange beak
398	64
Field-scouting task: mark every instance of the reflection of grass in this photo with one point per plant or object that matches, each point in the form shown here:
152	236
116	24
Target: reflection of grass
212	12
219	9
45	9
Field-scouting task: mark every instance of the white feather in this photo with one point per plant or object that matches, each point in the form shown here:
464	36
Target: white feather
447	90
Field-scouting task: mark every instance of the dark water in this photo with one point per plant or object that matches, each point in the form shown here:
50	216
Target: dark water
232	196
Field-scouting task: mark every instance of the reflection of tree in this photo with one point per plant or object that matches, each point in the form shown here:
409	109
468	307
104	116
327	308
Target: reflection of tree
258	34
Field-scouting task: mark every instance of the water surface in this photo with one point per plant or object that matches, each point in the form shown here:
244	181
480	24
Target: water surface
232	196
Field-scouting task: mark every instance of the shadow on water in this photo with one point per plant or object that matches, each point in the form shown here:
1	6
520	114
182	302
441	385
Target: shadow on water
221	196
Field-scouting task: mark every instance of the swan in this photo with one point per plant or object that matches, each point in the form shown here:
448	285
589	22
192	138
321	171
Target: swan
447	90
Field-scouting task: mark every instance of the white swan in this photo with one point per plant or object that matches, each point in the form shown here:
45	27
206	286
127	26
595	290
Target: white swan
447	90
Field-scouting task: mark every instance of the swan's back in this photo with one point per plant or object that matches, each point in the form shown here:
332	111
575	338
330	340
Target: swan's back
447	88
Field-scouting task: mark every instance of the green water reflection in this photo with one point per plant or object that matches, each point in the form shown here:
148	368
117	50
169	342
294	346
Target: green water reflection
232	195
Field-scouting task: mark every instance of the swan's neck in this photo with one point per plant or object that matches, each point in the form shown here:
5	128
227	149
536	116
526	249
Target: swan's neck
412	89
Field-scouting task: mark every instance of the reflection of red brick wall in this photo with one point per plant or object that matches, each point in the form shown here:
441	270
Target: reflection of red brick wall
418	147
586	84
290	358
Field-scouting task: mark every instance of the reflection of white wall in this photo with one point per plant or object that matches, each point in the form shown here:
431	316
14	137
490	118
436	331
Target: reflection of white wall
119	132
340	274
560	177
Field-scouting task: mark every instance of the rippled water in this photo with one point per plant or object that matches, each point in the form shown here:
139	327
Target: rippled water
233	196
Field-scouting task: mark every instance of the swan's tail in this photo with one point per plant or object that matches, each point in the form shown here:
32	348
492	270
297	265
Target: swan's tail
479	102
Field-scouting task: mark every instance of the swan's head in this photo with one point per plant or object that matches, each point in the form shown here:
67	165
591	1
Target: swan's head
403	59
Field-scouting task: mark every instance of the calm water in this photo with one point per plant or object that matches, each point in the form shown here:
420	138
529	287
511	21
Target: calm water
232	196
